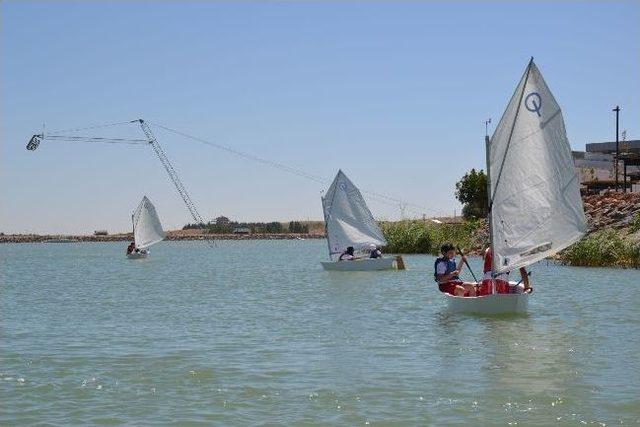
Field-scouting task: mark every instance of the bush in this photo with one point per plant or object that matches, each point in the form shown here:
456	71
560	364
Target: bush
605	248
420	237
634	225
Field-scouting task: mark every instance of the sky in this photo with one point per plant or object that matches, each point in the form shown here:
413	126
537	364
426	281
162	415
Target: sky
395	94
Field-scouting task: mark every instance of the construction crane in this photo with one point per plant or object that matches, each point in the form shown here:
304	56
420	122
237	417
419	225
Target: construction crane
151	140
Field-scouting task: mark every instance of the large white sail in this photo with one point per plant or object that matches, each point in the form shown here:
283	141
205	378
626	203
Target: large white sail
536	208
348	219
147	229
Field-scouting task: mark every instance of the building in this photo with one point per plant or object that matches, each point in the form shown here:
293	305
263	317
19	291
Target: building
596	166
222	221
242	230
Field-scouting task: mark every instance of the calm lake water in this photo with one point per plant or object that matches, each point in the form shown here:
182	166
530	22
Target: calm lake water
253	333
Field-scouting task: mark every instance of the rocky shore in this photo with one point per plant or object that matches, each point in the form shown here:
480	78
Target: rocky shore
611	210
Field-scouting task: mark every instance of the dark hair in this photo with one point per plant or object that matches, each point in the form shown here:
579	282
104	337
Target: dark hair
446	248
350	250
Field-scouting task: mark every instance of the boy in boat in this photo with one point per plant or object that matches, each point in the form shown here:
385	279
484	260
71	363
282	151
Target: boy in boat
502	279
131	247
347	255
447	273
375	252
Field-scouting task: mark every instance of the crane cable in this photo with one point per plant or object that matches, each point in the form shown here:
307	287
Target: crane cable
381	198
391	201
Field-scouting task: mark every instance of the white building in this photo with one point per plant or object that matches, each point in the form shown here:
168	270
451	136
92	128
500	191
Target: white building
596	165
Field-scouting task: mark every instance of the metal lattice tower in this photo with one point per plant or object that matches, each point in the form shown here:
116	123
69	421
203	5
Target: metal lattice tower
157	148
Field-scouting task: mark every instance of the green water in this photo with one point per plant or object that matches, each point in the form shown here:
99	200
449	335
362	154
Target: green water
253	333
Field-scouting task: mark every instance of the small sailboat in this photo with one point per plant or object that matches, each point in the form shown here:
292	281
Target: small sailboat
147	230
349	223
535	208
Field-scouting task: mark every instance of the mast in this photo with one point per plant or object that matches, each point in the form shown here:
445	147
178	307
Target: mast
326	229
133	226
487	143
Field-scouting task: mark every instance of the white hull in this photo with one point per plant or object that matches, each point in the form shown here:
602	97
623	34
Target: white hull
488	304
366	264
137	255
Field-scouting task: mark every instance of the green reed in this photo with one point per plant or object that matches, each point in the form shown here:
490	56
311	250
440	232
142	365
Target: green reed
604	248
415	236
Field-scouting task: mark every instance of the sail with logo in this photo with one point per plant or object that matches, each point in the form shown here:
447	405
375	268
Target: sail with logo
350	224
535	208
147	230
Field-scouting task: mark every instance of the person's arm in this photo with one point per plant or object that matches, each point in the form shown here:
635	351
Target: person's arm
448	277
461	263
525	277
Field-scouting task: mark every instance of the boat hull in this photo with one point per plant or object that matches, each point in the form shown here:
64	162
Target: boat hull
137	255
366	264
488	304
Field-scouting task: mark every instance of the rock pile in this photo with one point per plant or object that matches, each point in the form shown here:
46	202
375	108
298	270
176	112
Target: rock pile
610	209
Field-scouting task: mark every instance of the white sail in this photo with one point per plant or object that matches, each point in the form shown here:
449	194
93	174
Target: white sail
348	219
536	209
147	229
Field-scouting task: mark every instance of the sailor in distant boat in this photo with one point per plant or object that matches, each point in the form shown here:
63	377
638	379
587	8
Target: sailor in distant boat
131	248
347	255
447	273
375	252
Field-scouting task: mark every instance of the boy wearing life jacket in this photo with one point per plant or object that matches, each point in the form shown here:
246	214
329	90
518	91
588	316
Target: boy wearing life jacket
447	273
347	255
374	252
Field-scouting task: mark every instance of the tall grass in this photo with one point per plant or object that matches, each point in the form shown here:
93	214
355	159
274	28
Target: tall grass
604	248
413	236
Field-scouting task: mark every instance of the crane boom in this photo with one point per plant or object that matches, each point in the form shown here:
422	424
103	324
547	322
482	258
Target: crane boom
173	175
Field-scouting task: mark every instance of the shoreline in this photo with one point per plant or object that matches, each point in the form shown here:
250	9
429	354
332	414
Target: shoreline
171	236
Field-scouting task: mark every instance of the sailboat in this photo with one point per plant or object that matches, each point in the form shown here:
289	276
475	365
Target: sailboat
147	230
349	223
535	208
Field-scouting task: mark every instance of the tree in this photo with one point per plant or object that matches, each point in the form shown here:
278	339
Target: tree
297	227
471	191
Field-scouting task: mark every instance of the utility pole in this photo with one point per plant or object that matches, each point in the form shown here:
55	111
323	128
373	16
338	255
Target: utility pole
617	111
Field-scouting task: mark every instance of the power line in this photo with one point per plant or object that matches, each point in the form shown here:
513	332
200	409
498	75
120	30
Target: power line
382	198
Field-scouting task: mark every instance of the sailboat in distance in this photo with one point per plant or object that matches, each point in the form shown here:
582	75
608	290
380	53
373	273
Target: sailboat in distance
349	223
147	230
535	208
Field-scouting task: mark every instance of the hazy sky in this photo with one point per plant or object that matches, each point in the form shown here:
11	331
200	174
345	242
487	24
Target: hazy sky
393	93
